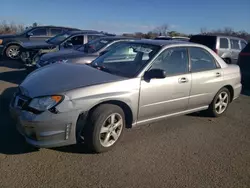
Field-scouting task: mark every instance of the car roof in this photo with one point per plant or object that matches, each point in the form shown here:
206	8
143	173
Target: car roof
52	26
163	42
115	38
217	35
82	32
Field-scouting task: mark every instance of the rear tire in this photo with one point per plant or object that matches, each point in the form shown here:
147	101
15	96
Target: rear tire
220	103
104	128
227	60
13	51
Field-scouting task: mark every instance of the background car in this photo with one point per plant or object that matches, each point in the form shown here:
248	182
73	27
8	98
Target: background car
244	63
228	48
10	44
60	104
172	38
68	40
84	54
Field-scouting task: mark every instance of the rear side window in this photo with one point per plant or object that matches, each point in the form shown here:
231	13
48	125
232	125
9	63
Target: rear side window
92	37
55	31
201	60
235	44
243	44
208	41
39	32
77	40
223	43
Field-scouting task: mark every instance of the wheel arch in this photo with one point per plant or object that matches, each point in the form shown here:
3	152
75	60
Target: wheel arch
231	91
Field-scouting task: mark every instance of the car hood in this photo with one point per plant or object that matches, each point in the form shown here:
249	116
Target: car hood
62	54
58	78
8	36
37	45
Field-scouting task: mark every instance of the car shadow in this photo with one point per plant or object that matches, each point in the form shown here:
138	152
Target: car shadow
11	142
245	91
13	64
15	77
80	148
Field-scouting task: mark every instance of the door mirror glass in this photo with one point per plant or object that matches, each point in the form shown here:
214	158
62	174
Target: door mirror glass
29	34
68	44
155	73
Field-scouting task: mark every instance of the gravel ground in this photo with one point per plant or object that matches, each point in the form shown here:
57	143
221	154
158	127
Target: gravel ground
188	151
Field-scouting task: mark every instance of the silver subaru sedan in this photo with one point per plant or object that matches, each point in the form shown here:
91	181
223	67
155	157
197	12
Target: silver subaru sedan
134	84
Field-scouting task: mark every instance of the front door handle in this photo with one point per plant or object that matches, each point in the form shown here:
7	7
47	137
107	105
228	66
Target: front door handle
218	74
183	80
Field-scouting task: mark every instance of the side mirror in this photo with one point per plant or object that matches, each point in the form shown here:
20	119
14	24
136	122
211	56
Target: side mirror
103	52
29	34
68	44
155	73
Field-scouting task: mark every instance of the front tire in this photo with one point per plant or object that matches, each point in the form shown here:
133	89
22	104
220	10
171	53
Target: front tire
104	127
220	103
13	52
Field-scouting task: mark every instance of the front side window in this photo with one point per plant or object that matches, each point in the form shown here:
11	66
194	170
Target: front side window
201	60
173	61
96	45
77	40
58	38
92	37
223	43
39	32
127	59
235	44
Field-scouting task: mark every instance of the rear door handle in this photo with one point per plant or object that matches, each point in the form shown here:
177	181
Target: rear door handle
218	74
183	80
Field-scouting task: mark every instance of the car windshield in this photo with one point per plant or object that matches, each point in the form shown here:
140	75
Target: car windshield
25	31
127	59
95	45
58	38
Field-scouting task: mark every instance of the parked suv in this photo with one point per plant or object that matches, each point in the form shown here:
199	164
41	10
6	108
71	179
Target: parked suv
10	44
228	48
244	63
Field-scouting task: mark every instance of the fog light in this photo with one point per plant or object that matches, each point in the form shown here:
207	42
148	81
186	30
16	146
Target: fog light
67	132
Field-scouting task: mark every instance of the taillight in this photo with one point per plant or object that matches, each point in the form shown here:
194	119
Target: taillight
245	54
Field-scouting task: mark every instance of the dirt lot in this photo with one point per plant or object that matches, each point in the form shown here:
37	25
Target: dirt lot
189	151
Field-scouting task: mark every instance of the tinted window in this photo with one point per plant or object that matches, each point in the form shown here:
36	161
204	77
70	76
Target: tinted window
243	44
114	45
92	37
208	41
77	40
97	44
55	31
235	44
39	32
174	61
201	60
223	43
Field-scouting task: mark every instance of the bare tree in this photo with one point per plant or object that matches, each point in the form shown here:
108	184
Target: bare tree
203	30
162	30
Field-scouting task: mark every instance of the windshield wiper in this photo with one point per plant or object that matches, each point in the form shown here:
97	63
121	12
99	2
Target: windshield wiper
102	68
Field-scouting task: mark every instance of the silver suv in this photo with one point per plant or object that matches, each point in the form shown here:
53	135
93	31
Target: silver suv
228	48
133	84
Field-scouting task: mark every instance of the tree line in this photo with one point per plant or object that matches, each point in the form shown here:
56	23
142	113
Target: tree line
163	30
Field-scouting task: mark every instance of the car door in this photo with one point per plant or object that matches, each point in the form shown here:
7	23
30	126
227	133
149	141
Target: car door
235	49
161	97
207	77
38	34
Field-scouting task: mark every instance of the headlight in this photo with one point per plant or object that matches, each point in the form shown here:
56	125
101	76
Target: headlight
45	103
1	41
61	61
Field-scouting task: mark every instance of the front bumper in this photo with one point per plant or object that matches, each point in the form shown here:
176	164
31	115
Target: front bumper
46	130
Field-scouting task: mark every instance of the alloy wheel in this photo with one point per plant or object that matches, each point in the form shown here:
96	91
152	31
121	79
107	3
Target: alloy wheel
221	102
111	130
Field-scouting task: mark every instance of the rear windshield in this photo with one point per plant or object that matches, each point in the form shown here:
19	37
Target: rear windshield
247	48
208	41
